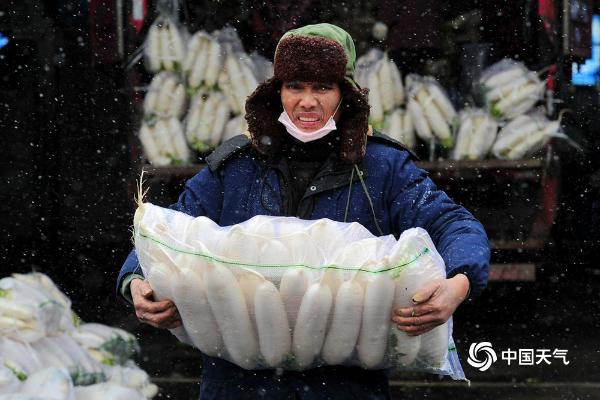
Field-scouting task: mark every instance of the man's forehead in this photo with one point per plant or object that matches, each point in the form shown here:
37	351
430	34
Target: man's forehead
310	83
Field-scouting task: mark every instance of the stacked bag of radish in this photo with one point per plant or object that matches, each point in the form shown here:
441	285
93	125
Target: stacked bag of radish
197	98
525	135
510	89
46	351
280	292
381	76
476	135
433	114
165	46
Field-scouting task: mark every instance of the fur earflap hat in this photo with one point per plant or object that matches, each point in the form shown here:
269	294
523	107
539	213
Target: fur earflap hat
313	53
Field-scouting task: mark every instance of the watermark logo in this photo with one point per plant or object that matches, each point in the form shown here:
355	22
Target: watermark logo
482	356
485	350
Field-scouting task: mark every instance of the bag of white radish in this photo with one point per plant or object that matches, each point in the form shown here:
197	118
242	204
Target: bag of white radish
203	61
31	306
476	134
206	120
164	48
382	77
280	292
164	142
165	98
510	89
527	134
433	115
398	125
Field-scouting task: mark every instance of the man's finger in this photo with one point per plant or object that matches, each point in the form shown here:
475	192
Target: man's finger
155	307
419	330
415	321
161	318
426	291
416	311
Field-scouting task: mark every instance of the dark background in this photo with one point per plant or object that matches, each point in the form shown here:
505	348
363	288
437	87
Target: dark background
68	113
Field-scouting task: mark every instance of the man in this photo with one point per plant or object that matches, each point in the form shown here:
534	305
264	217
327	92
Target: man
311	154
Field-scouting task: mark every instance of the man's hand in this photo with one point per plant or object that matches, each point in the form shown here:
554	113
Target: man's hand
160	314
434	304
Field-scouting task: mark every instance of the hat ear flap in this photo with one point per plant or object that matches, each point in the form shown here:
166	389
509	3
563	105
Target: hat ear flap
263	108
354	123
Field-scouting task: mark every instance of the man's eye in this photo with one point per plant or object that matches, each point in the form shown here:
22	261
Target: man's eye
324	88
292	86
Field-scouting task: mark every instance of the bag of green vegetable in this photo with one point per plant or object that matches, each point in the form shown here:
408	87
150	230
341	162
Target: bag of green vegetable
281	292
510	89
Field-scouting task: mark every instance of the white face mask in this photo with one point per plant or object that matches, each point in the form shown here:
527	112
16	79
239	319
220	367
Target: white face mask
305	137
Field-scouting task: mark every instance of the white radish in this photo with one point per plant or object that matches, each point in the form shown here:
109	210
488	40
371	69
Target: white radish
194	118
434	346
236	78
150	102
246	68
524	92
162	136
56	384
225	85
249	281
421	125
502	91
438	124
375	101
386	88
221	117
198	69
272	324
408	130
213	63
376	320
165	47
309	331
152	148
397	85
179	145
193	306
177	46
483	137
394	122
529	142
346	322
234	127
165	95
177	107
194	44
231	313
504	77
153	48
463	138
293	286
442	102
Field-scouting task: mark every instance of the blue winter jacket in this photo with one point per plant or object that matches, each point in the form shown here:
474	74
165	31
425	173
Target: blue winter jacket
238	184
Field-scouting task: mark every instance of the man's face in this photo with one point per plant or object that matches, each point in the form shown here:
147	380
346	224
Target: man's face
310	104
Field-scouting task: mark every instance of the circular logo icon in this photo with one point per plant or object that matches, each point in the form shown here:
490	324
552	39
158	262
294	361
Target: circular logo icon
485	350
